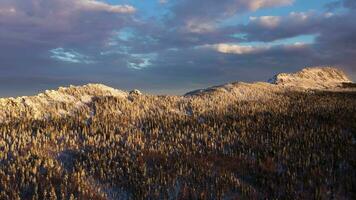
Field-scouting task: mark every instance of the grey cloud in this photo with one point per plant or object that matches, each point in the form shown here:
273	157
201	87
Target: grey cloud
93	5
333	31
193	23
155	37
162	1
70	56
351	4
334	45
270	28
44	25
201	16
335	41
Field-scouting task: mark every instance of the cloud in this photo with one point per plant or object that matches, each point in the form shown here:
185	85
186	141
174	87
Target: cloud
141	61
351	4
334	41
70	56
7	11
192	23
200	14
163	1
195	26
45	22
266	21
257	4
236	49
64	7
270	28
249	49
94	5
38	26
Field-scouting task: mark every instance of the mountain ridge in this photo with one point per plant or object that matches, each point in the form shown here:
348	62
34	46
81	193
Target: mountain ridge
66	100
312	77
307	78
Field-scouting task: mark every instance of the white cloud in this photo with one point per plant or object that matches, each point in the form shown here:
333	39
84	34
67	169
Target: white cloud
7	11
94	5
163	1
296	45
293	17
267	21
271	28
236	49
71	56
201	16
258	4
141	61
250	49
196	26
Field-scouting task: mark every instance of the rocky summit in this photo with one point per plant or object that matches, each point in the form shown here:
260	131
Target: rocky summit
312	78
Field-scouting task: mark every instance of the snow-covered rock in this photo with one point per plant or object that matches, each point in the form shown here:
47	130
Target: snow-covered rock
312	78
135	92
61	102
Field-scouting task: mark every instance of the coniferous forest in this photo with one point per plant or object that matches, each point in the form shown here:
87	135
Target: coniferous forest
296	145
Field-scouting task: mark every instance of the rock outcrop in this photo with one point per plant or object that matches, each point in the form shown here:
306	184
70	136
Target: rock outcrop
61	102
312	78
135	92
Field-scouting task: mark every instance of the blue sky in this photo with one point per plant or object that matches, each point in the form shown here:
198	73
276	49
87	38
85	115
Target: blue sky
168	46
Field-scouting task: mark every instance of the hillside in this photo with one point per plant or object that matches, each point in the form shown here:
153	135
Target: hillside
65	101
54	103
236	141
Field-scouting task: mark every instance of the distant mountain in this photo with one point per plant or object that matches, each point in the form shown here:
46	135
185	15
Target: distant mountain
314	77
308	78
67	101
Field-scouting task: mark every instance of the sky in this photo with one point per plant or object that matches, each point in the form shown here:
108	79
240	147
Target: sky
168	46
